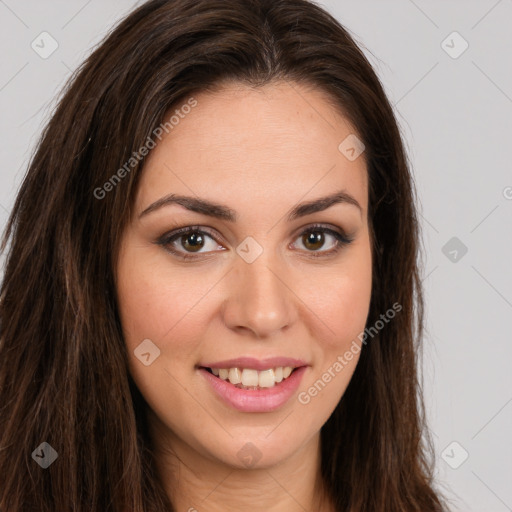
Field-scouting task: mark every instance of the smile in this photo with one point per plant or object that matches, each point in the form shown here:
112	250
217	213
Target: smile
248	378
251	390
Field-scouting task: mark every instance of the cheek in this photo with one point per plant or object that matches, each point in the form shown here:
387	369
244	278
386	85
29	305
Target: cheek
152	301
159	304
342	298
341	302
343	307
349	308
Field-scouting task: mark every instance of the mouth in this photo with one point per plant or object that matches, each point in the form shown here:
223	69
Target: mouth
251	379
251	385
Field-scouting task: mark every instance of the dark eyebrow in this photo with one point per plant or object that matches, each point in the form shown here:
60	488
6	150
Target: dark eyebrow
222	212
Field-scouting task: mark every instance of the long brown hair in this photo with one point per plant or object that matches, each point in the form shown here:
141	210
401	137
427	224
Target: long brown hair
63	363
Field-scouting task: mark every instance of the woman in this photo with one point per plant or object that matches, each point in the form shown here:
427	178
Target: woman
211	298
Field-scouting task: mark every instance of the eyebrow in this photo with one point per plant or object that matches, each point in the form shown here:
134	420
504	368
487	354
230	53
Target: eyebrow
223	212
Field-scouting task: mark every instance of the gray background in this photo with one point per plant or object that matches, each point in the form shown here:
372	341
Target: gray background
455	114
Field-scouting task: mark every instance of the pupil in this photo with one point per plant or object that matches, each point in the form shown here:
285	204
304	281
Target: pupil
314	238
194	241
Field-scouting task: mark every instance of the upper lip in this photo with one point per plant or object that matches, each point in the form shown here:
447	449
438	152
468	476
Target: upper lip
256	364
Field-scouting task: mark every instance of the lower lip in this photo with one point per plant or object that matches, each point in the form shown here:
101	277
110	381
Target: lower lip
255	400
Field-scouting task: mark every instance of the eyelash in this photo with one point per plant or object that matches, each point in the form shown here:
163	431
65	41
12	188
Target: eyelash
342	240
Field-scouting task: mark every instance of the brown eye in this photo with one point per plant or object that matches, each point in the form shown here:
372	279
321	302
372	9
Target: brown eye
189	242
314	238
193	241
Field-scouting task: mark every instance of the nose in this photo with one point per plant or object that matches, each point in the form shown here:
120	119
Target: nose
260	300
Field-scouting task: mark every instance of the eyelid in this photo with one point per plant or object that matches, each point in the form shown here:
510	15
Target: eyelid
326	227
167	238
342	239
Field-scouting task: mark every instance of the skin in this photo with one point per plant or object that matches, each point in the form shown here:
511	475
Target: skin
260	152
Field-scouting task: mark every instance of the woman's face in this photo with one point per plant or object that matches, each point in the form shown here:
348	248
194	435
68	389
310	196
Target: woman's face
262	283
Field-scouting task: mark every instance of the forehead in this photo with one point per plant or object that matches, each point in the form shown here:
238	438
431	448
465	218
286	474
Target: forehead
268	145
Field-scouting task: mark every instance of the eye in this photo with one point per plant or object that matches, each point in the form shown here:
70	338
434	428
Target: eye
191	239
313	239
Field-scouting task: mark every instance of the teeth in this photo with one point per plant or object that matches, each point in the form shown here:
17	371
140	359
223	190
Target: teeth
266	379
249	378
235	377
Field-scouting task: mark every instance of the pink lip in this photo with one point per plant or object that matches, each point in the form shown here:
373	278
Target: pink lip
258	400
256	364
